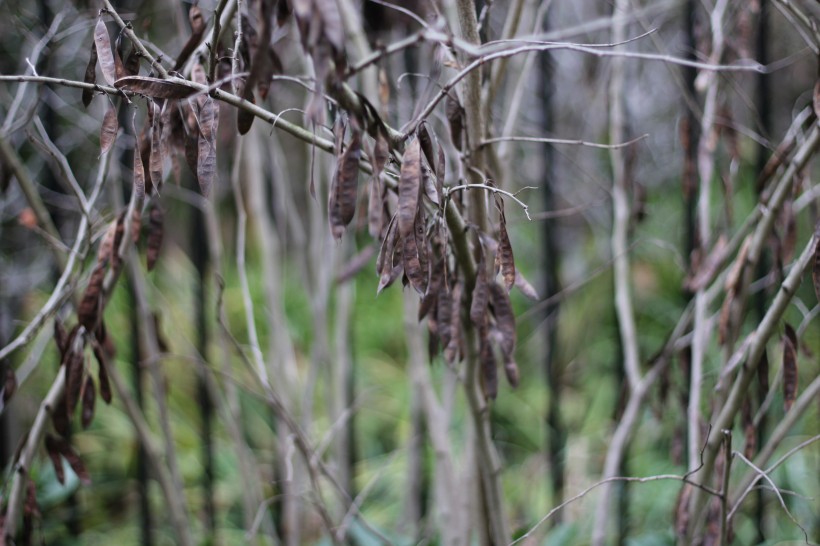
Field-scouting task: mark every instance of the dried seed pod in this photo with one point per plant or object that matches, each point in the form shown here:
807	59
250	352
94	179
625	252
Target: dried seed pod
412	263
106	57
344	187
525	287
75	369
52	445
409	183
815	271
132	62
504	319
155	233
206	145
504	257
89	397
90	74
481	296
489	368
57	447
244	119
789	368
90	307
511	371
455	117
102	374
108	129
9	385
155	87
156	158
197	31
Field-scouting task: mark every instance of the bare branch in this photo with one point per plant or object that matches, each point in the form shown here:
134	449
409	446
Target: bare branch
562	141
493	189
765	476
607	481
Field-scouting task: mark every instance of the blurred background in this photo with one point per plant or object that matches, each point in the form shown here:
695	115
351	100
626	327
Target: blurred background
342	357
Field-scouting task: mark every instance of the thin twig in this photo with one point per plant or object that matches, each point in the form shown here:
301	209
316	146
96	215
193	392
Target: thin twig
448	191
594	486
563	141
804	401
724	488
147	333
706	162
23	464
129	31
62	163
11	114
55	392
62	290
755	67
12	160
732	404
216	32
765	476
242	218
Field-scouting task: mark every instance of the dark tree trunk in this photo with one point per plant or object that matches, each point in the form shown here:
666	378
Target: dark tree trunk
764	110
555	432
199	256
